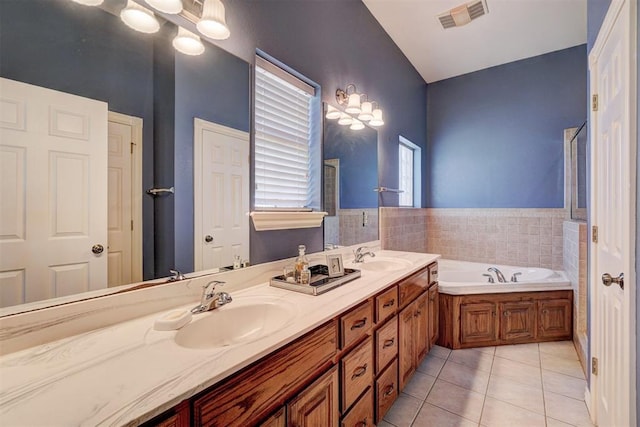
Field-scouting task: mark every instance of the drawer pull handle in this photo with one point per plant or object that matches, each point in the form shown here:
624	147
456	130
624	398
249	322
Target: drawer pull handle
388	343
362	423
359	324
389	303
389	390
360	371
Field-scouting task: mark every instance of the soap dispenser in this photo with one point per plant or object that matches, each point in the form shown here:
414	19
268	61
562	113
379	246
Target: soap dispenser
301	263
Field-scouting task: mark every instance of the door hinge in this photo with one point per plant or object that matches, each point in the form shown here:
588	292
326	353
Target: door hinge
594	365
594	102
594	234
131	225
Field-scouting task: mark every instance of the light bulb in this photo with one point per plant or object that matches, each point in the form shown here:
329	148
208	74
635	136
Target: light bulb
353	107
332	113
366	115
188	43
356	125
345	119
166	6
213	23
139	18
377	118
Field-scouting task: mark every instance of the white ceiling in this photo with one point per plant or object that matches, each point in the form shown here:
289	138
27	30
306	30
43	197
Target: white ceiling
512	30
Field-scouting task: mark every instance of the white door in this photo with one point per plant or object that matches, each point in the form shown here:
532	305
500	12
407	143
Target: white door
53	193
613	212
221	195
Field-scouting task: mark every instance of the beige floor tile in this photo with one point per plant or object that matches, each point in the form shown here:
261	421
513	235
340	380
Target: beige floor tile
431	415
562	365
472	358
441	352
460	401
551	423
566	409
517	394
383	423
403	411
516	371
524	353
497	413
488	350
431	365
465	376
563	384
419	385
564	349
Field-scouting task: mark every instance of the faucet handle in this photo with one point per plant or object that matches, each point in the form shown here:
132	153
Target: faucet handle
514	277
213	285
176	275
489	278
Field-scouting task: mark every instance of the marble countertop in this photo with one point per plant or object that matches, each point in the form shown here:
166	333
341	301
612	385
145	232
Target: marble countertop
128	373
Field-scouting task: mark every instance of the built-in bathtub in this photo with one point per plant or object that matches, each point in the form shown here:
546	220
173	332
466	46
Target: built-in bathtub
464	278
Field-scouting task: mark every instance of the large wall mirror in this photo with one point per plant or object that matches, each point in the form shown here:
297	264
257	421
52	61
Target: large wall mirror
71	75
350	180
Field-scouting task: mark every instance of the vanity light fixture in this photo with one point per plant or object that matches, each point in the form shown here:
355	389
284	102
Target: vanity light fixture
333	113
188	43
345	119
213	23
167	6
139	18
367	111
89	2
356	125
377	117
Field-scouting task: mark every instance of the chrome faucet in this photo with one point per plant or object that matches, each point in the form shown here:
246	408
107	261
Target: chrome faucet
210	300
499	274
176	276
514	277
359	254
489	278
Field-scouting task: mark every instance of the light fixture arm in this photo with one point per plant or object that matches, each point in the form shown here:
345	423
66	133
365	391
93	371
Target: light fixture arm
342	96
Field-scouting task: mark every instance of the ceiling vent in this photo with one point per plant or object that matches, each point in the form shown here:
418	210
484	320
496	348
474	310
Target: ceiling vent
463	14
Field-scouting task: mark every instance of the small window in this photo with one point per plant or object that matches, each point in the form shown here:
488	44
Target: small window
284	134
409	173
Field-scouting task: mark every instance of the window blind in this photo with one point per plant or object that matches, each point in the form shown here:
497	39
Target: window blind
282	137
405	155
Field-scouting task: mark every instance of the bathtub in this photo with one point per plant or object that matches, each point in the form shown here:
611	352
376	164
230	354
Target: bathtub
463	278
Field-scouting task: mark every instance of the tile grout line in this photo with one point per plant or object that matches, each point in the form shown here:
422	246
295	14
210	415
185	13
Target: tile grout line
544	400
486	390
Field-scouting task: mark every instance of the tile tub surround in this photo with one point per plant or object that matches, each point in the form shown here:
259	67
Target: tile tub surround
519	237
404	229
575	266
127	373
515	385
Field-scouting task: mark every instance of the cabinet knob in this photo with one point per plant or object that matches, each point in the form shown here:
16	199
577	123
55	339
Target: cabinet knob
389	303
389	390
388	343
359	324
359	371
506	314
363	423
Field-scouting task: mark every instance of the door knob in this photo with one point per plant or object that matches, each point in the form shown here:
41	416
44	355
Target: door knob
208	238
97	249
607	280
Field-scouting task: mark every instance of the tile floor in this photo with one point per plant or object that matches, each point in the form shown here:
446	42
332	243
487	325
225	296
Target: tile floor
518	385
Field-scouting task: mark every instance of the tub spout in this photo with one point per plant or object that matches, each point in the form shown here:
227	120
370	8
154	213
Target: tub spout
499	274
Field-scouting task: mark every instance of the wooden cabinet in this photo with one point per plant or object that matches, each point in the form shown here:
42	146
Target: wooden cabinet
511	318
386	304
356	373
555	318
433	309
518	321
413	337
317	405
386	344
178	416
361	415
412	286
279	419
355	324
386	390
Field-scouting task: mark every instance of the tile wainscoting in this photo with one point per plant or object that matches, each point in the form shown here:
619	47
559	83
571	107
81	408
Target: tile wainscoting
575	265
520	237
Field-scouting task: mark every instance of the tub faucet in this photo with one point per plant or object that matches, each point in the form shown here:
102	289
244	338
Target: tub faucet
175	276
489	278
210	300
514	277
499	274
359	254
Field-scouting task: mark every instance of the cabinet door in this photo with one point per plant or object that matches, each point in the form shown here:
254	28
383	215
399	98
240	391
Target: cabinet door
518	321
386	390
554	318
386	344
421	328
434	304
361	415
356	373
279	419
478	323
317	405
406	349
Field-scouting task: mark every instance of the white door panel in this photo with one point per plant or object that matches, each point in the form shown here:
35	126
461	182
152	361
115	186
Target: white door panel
221	195
53	190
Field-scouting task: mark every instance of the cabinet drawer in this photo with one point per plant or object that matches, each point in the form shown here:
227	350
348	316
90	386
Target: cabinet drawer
356	324
386	343
361	415
386	304
433	273
412	286
356	373
386	390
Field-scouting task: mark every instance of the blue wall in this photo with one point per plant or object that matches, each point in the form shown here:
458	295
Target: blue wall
495	136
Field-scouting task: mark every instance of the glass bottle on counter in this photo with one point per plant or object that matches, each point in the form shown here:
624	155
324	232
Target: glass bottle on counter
301	263
305	275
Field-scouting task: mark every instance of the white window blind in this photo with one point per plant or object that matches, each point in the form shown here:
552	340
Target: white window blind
282	138
405	156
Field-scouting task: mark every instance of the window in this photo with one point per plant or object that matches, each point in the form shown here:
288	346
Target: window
286	117
409	173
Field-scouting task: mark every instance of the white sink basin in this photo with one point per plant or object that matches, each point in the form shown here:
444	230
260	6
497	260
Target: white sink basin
242	320
383	264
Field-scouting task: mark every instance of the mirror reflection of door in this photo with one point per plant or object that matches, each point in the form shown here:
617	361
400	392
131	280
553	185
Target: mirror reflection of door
53	192
221	195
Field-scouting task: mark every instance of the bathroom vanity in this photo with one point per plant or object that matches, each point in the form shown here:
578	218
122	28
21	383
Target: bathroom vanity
339	358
